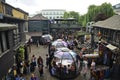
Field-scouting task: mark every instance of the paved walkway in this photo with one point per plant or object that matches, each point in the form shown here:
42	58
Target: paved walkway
42	51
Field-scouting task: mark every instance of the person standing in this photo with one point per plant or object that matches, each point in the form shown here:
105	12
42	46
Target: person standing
81	60
40	65
39	60
37	43
93	65
47	60
27	63
85	67
30	43
22	77
33	60
33	63
33	77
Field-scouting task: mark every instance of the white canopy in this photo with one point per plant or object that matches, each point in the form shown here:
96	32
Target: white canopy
111	47
47	36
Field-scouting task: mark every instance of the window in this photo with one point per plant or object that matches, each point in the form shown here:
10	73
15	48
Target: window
4	41
53	17
25	27
53	13
8	10
57	16
4	45
50	18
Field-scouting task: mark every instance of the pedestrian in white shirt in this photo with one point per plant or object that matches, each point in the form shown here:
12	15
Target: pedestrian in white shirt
85	67
93	65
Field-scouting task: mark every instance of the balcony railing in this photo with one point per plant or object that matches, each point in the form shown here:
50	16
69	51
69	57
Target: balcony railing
65	26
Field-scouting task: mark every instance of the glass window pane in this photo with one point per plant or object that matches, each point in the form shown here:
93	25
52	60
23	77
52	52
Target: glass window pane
4	43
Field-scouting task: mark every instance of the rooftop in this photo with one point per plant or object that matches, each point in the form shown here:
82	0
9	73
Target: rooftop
111	23
38	17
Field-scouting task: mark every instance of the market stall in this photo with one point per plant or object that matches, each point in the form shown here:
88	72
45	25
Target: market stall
101	72
64	63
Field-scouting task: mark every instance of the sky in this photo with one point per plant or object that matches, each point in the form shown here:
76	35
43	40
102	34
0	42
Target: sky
35	6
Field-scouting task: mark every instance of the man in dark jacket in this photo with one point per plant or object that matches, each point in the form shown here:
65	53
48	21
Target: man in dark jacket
115	72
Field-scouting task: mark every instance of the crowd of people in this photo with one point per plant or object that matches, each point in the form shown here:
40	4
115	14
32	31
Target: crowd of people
29	66
26	68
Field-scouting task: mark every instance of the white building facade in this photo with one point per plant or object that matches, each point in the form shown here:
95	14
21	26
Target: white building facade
53	13
117	8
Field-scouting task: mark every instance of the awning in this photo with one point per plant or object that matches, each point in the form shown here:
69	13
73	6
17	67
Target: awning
111	47
4	26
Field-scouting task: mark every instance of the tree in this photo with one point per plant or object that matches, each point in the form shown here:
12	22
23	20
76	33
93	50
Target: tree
81	18
72	14
66	15
96	13
100	17
107	9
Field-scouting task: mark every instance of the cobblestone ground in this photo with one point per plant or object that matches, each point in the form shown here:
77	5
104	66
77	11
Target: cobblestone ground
41	51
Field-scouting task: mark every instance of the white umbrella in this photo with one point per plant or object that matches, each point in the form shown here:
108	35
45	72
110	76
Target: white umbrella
65	54
63	49
59	43
47	36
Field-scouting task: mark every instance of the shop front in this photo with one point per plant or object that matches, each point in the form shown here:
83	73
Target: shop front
106	63
64	64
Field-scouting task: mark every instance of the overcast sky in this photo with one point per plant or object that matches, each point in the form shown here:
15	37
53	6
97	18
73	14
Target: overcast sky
35	6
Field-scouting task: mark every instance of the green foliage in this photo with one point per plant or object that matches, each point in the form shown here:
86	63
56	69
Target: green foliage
74	15
21	52
66	15
71	14
93	11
